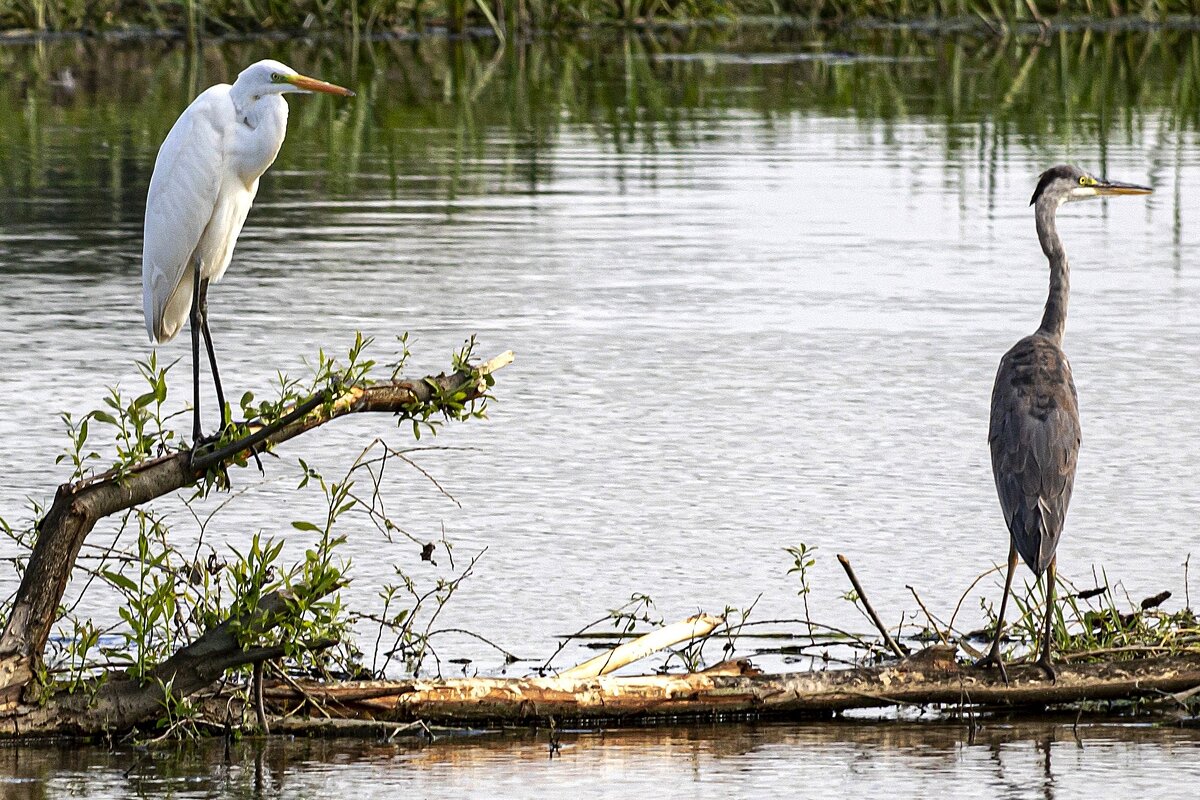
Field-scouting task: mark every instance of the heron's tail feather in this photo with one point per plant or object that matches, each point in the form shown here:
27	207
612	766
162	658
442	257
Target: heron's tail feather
1036	536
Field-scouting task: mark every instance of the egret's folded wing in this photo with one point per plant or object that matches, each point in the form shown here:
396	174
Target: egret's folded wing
183	193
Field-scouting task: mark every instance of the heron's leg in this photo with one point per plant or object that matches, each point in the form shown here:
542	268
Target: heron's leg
212	358
993	655
195	326
1044	660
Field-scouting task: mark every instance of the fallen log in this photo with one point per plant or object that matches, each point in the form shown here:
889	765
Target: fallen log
927	679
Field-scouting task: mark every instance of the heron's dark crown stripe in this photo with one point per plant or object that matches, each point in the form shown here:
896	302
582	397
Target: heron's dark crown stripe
1048	177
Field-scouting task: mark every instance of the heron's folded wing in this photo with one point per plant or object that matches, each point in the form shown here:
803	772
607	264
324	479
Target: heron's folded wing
1034	437
183	193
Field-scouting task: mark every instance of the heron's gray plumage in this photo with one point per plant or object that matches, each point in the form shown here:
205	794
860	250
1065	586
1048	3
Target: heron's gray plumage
1034	432
1034	436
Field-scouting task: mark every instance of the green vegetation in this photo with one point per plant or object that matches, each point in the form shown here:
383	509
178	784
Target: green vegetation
1102	623
374	16
355	16
153	582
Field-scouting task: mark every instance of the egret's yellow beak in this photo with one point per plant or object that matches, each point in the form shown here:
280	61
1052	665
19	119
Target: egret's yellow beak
314	85
1115	187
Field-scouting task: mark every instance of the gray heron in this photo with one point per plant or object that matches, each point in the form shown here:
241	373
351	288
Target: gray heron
1034	432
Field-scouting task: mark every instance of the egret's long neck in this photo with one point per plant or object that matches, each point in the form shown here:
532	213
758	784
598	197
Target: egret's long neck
262	125
1054	320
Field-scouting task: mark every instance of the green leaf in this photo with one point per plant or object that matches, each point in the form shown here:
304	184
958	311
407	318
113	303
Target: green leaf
301	525
119	580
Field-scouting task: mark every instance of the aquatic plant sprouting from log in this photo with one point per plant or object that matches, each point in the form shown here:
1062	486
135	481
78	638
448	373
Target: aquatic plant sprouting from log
185	621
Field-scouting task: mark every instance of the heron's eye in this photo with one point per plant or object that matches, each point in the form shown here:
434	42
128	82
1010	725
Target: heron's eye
277	78
1083	181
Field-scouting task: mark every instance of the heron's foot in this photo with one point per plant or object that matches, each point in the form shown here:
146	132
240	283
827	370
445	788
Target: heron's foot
993	659
1047	667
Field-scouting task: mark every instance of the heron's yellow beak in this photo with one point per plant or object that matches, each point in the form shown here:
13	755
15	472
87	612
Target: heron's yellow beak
314	85
1114	187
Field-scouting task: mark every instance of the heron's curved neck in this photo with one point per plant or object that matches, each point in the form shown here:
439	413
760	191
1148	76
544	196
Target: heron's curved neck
1054	320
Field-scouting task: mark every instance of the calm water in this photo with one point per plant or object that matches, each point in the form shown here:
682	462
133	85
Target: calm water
805	760
757	286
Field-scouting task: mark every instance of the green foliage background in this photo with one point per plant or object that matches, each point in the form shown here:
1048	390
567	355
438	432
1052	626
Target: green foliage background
222	16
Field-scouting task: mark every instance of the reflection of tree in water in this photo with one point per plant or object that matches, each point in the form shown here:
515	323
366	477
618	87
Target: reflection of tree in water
433	106
81	120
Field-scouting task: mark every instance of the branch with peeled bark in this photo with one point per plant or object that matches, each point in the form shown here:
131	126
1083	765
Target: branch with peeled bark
643	646
77	507
930	677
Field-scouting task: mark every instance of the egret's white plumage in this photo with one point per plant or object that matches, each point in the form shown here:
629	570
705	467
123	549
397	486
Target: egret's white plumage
205	178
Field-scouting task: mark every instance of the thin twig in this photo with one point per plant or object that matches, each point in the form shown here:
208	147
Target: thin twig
928	616
853	639
963	597
887	637
507	655
307	698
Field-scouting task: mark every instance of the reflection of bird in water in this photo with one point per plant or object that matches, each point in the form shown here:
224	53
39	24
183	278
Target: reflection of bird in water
65	80
1034	432
63	87
205	178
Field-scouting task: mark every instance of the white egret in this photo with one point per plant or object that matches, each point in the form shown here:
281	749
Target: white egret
205	178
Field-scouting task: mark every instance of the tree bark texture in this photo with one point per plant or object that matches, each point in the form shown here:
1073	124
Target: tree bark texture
718	694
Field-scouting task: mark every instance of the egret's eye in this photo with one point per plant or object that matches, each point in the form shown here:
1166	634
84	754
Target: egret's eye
1083	180
277	78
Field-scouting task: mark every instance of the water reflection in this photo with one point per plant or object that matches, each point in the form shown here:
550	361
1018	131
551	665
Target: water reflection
1007	760
88	116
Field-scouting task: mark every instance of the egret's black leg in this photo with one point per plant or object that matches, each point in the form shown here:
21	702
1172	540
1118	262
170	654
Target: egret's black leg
195	326
1044	661
212	358
993	656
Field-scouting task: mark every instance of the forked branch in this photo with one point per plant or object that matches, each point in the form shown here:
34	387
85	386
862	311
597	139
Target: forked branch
78	506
